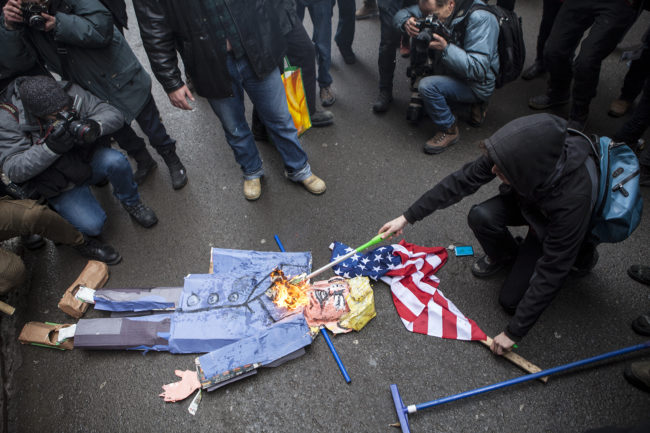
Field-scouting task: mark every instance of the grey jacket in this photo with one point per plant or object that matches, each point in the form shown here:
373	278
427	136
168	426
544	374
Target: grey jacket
22	154
98	57
477	61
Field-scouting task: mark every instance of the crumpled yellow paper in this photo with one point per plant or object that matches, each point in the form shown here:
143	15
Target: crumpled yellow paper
361	301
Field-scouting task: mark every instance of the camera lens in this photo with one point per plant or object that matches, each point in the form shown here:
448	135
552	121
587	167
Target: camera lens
83	131
37	22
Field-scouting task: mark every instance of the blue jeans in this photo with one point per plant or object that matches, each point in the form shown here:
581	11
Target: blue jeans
345	29
320	12
438	92
80	207
268	97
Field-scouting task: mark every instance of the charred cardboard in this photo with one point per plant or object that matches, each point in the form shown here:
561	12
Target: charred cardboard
94	276
44	334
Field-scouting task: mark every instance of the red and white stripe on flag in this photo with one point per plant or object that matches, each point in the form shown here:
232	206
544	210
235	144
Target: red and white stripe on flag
419	303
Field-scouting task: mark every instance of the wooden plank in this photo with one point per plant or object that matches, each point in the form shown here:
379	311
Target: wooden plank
519	361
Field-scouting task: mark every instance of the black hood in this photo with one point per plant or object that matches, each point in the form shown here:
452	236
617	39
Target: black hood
535	153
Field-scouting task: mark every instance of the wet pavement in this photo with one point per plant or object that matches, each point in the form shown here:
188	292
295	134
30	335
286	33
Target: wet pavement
374	168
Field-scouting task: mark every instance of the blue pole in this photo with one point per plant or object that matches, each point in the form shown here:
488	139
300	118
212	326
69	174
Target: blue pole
335	354
550	371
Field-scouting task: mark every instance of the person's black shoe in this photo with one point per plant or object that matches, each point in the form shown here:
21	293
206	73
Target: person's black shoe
542	102
641	325
533	71
143	169
640	273
143	215
638	374
486	267
93	249
320	119
32	242
348	55
382	104
176	169
584	265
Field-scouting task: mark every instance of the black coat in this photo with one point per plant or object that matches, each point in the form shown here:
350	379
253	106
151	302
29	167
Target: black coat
170	25
546	170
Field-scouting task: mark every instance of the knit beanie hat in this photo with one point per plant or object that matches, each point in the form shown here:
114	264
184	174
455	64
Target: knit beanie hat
42	95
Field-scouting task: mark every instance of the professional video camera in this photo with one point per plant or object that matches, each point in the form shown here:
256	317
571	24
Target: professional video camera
420	63
83	131
32	14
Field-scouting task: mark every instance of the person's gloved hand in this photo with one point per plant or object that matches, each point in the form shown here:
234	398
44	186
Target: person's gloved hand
59	140
182	389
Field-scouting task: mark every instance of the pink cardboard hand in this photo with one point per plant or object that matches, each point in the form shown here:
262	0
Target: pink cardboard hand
183	388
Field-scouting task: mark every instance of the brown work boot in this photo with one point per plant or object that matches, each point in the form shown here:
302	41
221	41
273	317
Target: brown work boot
442	140
477	116
252	189
619	107
369	9
314	185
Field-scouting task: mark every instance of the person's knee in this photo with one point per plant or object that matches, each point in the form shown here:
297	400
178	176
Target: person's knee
92	225
478	217
429	87
38	218
12	273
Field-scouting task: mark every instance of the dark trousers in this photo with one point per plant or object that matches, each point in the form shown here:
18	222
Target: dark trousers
301	53
634	128
150	123
636	76
388	43
345	29
549	12
607	21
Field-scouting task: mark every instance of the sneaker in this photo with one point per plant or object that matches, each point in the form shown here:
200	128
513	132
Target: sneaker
486	267
143	215
178	175
533	71
478	114
442	140
638	374
321	118
314	185
143	169
252	189
382	104
327	97
348	55
542	102
640	273
93	249
619	107
584	265
369	9
641	325
32	242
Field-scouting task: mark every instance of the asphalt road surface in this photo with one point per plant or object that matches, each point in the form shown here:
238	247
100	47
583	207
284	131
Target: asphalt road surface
374	168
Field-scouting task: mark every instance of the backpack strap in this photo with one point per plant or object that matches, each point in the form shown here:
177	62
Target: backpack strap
590	165
11	108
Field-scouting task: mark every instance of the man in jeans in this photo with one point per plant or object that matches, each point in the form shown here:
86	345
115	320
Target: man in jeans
50	159
465	72
228	47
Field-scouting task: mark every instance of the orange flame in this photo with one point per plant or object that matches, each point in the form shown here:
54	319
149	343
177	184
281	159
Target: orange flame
286	294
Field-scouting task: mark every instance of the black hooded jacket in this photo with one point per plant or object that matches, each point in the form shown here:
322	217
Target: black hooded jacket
546	169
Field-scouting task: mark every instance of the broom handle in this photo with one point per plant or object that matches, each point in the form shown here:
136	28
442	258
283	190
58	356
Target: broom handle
371	242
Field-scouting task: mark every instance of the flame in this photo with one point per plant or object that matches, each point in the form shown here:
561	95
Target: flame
286	294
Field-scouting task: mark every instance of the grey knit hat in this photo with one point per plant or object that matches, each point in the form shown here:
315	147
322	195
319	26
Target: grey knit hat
42	95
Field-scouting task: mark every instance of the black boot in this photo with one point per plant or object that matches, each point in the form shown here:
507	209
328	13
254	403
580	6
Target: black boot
93	249
143	214
145	165
176	169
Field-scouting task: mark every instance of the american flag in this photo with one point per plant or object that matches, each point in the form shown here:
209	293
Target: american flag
410	271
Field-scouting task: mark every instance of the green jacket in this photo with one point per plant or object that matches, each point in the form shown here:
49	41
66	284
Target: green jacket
98	57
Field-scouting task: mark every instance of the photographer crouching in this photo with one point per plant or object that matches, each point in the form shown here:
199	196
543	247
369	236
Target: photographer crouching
454	61
50	147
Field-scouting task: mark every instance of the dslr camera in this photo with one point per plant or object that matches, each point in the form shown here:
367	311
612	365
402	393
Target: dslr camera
83	131
420	63
32	14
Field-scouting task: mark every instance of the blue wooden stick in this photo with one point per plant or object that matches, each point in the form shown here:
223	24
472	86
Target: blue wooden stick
323	331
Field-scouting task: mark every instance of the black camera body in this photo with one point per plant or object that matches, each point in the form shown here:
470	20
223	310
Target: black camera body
429	26
32	14
82	131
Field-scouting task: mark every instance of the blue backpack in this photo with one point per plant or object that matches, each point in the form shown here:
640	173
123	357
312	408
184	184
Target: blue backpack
618	207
